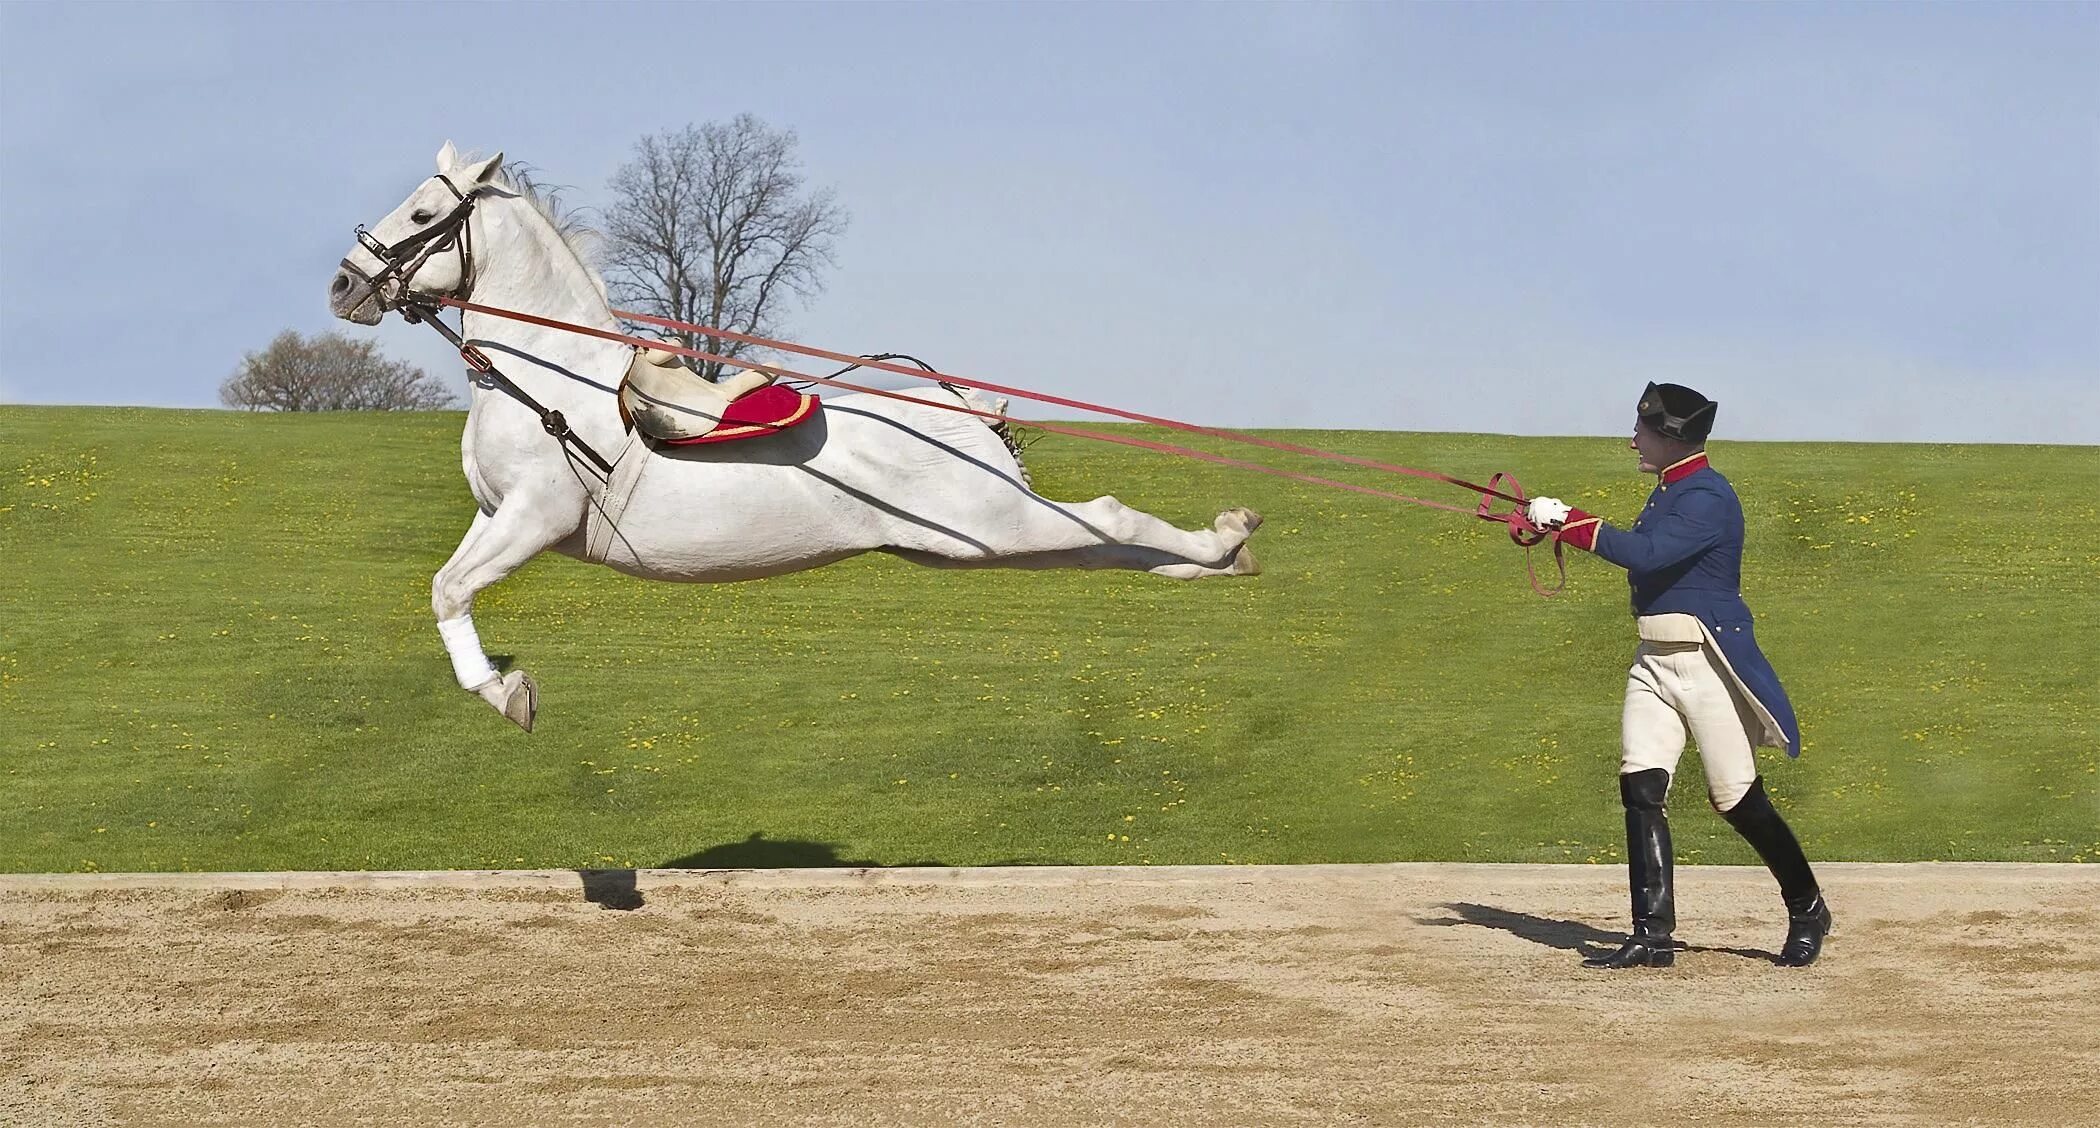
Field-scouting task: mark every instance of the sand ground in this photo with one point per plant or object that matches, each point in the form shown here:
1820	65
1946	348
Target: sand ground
1401	994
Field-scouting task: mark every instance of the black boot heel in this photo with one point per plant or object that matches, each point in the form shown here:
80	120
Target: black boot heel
1805	931
1641	951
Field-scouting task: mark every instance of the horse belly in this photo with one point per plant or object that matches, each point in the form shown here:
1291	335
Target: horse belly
866	474
717	523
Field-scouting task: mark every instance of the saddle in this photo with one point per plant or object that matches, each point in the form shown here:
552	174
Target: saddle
672	404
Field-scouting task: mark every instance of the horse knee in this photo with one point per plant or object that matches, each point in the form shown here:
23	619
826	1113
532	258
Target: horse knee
449	599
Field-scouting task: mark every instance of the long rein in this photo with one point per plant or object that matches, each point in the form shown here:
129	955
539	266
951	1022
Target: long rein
1501	486
454	232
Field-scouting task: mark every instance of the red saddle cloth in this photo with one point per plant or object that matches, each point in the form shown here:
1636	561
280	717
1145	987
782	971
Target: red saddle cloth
767	411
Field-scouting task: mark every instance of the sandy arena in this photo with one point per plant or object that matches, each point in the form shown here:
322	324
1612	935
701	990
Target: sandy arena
1402	994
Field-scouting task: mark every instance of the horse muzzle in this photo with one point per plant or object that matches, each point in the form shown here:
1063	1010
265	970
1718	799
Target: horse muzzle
351	298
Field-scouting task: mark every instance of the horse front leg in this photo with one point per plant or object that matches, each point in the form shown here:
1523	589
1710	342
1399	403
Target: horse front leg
495	546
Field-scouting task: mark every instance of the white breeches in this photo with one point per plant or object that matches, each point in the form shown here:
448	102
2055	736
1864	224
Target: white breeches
1675	686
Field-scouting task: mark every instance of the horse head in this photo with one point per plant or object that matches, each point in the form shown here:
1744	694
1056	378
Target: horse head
424	247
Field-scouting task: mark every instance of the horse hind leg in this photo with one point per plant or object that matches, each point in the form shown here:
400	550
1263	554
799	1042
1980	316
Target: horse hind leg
1233	527
1105	533
1222	550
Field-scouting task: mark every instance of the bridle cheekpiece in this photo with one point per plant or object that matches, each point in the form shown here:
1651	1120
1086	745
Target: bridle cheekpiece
400	261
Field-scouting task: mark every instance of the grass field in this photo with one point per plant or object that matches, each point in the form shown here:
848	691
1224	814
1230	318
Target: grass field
216	652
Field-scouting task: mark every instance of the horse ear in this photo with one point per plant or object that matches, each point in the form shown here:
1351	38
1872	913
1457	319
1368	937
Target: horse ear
447	157
481	171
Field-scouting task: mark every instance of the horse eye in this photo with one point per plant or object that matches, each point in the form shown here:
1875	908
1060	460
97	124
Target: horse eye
421	216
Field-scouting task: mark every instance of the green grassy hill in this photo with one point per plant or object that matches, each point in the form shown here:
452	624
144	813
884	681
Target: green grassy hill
216	652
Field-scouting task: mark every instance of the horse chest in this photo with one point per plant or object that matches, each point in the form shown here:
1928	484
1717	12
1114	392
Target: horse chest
501	459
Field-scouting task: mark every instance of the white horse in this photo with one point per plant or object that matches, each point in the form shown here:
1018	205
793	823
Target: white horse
937	487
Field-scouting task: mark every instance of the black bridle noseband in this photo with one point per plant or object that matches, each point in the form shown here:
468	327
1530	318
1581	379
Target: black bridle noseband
398	264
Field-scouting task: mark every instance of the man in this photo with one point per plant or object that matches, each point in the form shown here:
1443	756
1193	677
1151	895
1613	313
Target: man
1697	668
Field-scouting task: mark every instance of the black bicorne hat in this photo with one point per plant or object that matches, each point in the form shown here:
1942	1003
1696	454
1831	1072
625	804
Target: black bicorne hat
1678	412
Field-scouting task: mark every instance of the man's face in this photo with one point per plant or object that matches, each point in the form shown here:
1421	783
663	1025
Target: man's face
1656	450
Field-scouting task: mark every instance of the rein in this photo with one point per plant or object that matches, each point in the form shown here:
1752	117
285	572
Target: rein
487	376
1501	486
1002	389
453	231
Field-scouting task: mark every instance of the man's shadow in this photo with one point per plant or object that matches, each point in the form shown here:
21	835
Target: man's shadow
1566	935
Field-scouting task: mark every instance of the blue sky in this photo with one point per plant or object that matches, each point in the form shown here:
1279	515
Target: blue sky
1842	221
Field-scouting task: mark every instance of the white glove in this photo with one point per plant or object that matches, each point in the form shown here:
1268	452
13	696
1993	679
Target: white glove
1546	512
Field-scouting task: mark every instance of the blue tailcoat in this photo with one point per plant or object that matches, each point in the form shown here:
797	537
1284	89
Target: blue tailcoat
1684	554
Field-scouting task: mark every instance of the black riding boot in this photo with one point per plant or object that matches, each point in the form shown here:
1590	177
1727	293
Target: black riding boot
1648	860
1808	918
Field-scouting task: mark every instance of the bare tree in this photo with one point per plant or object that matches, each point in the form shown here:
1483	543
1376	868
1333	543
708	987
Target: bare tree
330	372
712	225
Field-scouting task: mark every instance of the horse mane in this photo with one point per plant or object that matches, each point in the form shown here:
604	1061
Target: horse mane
576	233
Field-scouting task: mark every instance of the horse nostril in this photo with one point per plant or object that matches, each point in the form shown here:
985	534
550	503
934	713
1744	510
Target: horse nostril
341	284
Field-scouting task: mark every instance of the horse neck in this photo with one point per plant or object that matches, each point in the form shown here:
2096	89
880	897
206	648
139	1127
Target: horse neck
523	264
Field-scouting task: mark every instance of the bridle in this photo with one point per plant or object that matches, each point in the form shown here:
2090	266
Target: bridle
398	265
399	262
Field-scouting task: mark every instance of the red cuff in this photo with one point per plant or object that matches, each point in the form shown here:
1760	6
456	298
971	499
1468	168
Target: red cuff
1580	530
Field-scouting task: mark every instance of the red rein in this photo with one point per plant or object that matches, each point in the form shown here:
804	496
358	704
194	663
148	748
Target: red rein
1521	530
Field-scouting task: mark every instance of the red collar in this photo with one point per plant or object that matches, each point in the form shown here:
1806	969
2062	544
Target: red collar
1678	471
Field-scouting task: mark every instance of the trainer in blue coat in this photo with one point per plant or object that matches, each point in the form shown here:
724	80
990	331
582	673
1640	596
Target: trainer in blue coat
1684	554
1697	672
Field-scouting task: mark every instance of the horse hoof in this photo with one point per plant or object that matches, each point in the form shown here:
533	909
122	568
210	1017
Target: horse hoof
1241	519
521	699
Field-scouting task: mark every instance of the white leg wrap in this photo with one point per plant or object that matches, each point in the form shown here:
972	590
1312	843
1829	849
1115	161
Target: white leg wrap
469	664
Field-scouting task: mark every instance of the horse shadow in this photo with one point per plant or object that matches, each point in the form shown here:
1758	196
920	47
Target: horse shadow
759	852
615	888
1567	935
